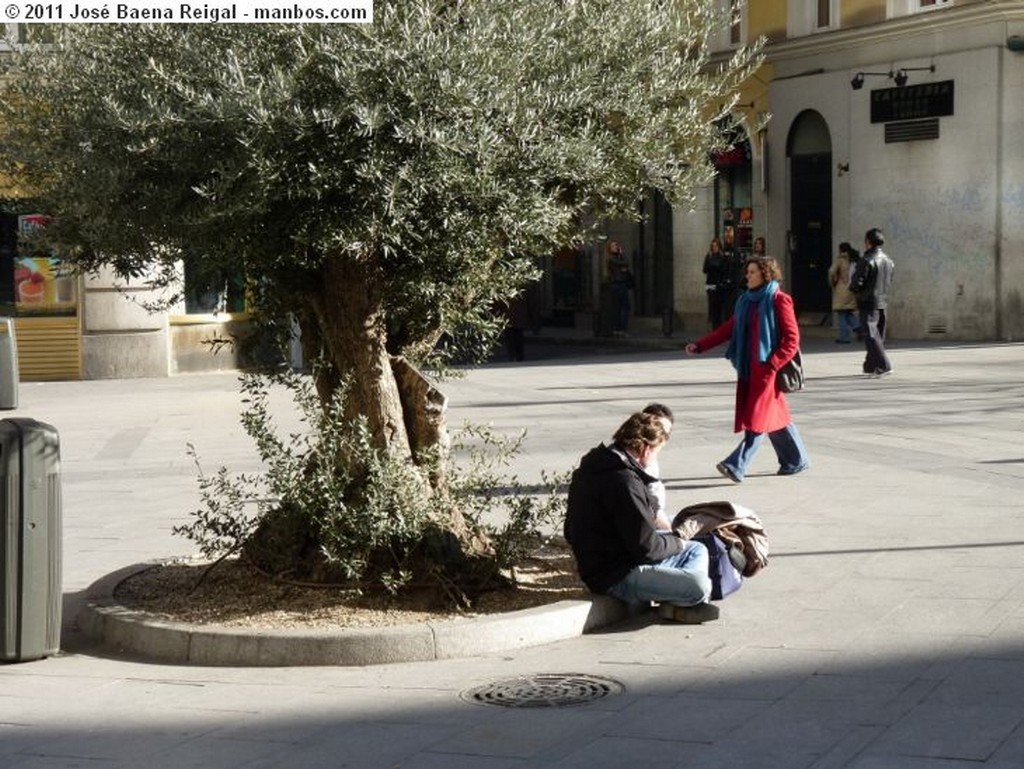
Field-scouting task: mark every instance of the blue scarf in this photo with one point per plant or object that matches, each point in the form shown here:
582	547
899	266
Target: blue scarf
763	299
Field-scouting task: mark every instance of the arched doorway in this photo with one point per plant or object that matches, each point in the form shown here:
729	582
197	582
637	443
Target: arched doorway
809	149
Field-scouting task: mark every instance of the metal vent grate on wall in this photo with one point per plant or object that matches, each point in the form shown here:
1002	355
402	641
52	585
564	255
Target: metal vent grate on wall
912	130
938	325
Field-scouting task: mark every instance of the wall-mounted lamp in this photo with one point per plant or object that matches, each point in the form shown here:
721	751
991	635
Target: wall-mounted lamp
901	76
842	169
858	80
1015	43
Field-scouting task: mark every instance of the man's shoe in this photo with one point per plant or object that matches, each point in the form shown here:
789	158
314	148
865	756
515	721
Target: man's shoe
688	615
793	470
878	373
728	472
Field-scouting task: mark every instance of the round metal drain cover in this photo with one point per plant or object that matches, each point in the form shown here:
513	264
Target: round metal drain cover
544	690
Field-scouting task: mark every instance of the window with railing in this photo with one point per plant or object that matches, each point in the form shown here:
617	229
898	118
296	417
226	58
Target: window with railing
908	7
807	18
823	14
734	32
36	33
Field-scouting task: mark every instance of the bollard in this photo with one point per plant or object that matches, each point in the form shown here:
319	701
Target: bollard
8	365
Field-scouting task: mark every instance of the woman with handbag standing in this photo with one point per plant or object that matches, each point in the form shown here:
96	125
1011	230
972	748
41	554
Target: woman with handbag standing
844	303
763	336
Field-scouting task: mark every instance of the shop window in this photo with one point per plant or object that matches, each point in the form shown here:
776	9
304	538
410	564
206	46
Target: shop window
33	280
212	289
734	192
8	257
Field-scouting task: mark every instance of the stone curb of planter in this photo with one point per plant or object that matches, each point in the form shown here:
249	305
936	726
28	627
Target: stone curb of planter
133	633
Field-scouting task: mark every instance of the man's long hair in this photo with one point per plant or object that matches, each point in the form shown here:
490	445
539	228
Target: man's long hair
640	430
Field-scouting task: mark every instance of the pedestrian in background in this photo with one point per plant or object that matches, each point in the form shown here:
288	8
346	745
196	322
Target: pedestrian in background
717	282
517	320
620	278
763	336
734	268
871	283
844	303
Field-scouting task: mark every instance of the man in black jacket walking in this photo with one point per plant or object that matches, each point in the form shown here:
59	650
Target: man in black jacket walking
871	282
610	525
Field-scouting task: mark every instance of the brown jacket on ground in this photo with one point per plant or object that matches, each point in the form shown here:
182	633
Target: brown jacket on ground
733	523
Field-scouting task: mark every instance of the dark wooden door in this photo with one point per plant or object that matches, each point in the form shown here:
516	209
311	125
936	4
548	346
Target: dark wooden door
810	241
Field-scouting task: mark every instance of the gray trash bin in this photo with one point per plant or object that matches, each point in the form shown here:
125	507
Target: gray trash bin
30	540
8	365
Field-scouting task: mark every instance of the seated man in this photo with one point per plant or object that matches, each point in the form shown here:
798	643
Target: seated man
653	469
610	525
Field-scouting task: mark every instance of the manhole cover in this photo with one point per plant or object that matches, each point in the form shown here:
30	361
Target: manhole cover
544	690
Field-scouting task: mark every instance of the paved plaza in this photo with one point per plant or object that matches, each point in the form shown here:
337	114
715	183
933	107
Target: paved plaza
886	633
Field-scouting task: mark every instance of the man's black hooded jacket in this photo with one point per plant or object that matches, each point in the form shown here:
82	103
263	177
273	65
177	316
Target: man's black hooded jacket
610	520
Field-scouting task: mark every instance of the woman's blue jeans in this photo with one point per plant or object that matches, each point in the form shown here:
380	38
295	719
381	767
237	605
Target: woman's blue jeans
680	579
847	322
787	444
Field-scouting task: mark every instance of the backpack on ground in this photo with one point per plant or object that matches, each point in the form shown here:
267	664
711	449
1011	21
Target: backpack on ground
726	575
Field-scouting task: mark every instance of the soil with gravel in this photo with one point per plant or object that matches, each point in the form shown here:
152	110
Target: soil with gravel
232	593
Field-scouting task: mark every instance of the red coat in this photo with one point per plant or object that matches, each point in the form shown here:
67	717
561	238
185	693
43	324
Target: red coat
760	406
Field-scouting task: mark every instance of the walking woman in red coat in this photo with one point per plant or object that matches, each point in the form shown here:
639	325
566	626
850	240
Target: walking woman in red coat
762	335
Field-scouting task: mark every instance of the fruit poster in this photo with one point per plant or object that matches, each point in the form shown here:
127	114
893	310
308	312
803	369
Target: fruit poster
41	284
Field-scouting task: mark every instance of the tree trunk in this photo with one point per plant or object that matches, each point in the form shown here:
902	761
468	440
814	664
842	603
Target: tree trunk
325	375
353	327
424	407
406	417
405	412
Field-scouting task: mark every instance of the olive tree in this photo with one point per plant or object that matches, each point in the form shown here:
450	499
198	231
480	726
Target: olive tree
385	184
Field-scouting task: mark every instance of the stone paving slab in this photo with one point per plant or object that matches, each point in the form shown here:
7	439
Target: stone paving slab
887	632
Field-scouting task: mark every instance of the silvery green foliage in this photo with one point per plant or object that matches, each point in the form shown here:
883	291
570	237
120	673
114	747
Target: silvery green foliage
366	533
364	530
442	145
484	490
420	163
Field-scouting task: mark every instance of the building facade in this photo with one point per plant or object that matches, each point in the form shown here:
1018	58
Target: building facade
102	326
906	115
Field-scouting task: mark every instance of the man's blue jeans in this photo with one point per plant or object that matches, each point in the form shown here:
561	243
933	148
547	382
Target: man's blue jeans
680	579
